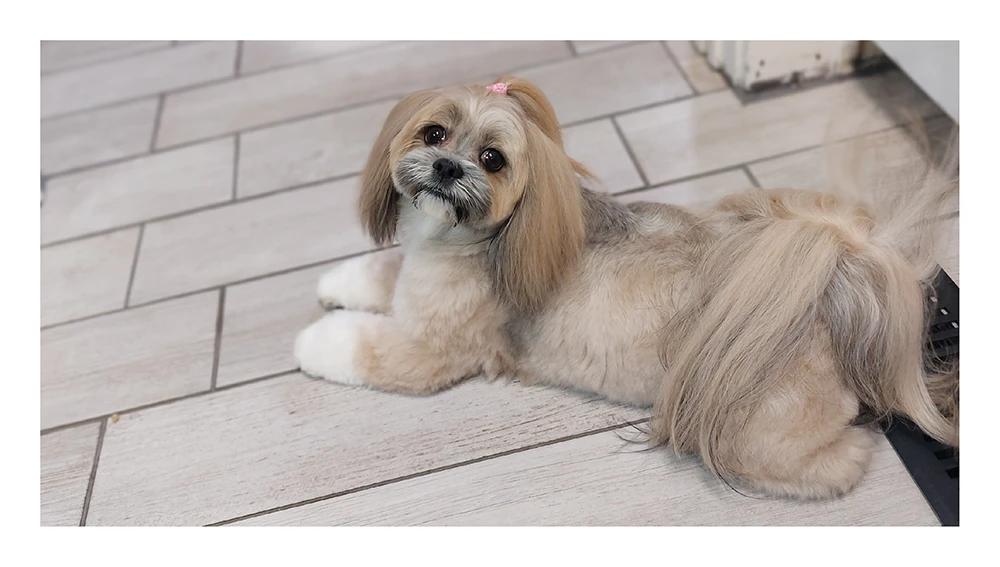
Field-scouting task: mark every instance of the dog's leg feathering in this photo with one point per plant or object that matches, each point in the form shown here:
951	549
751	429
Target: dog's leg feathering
357	348
329	348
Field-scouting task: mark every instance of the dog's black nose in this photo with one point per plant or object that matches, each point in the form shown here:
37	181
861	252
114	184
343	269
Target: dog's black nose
447	169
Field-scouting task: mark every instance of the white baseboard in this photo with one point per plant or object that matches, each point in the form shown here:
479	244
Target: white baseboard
751	64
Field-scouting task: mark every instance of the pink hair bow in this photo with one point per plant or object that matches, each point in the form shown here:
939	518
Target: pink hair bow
499	88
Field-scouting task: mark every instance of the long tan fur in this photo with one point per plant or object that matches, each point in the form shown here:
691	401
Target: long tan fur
543	240
793	268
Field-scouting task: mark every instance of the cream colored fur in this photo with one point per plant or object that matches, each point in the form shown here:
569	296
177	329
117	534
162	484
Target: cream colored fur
755	330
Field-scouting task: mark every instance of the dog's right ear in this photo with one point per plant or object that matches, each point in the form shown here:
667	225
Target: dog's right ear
379	199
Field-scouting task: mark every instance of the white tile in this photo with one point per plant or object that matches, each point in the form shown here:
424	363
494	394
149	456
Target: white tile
249	239
97	136
127	359
583	47
261	321
703	78
715	131
67	457
288	439
58	55
133	77
698	193
608	82
309	150
263	55
136	190
369	75
600	481
87	276
598	146
881	160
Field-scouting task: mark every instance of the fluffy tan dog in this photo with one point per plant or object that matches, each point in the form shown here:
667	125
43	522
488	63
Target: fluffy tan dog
756	331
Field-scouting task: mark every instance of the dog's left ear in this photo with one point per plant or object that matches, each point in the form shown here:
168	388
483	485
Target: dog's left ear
544	238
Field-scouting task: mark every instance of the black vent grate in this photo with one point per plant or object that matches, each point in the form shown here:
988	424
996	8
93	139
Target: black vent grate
934	466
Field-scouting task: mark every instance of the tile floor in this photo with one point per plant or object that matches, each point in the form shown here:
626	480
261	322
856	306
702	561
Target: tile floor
194	193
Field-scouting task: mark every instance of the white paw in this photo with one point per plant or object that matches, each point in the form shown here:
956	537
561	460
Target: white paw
349	285
328	348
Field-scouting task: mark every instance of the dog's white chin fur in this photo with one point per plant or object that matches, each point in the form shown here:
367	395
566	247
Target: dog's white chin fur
436	208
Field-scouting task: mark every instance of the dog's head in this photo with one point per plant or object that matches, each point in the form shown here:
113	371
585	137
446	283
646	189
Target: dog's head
486	160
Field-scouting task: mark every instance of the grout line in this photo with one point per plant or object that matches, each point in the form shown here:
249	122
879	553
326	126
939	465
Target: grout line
320	114
135	265
312	115
202	209
218	339
97	62
316	59
238	61
236	163
393	96
182	295
630	110
375	44
160	102
169	401
749	163
280	272
125	101
332	110
337	110
572	49
129	308
612	47
338	177
631	154
302	118
679	180
209	82
64	426
677	65
93	472
751	176
428	472
214	138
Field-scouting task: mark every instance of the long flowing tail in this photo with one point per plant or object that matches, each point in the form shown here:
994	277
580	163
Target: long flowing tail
787	263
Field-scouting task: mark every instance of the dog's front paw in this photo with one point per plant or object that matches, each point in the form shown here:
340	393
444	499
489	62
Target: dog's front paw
357	284
328	348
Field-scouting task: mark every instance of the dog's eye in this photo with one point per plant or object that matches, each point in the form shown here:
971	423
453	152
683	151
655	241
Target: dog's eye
492	160
434	135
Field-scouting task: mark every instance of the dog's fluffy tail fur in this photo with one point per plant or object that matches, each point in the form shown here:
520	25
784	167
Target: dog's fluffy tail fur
793	265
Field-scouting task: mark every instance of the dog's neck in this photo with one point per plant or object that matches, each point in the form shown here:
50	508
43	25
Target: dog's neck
420	230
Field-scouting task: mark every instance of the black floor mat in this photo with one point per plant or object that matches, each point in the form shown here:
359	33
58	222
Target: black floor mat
933	466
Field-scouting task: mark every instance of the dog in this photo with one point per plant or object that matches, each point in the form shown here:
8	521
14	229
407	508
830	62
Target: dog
756	331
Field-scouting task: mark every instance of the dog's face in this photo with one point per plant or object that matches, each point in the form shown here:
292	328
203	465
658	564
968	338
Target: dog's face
462	158
486	160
